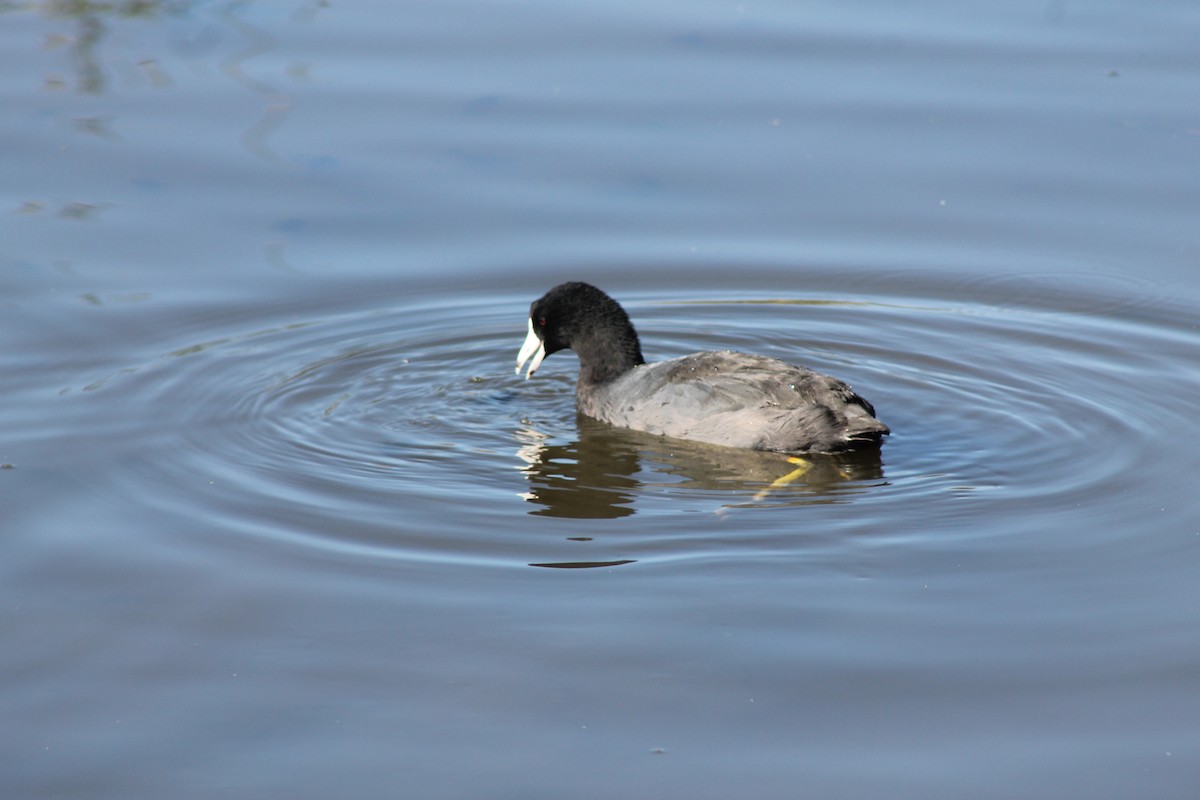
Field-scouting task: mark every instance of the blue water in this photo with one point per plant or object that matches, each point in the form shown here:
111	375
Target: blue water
277	519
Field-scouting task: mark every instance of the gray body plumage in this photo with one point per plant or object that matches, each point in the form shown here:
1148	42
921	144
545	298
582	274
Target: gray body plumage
736	400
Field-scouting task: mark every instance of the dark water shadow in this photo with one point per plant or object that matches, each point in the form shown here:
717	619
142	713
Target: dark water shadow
603	473
593	477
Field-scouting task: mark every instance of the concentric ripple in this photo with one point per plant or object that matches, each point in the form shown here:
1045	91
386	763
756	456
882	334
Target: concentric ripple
404	432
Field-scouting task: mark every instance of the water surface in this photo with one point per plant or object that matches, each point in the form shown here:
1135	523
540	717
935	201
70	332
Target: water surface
280	521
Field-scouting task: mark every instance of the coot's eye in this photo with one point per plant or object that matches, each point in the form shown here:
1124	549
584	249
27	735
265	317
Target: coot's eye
541	322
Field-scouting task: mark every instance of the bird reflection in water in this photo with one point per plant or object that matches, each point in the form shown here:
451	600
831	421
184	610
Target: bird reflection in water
601	474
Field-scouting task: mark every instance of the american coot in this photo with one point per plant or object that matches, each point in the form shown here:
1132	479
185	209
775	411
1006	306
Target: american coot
725	398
